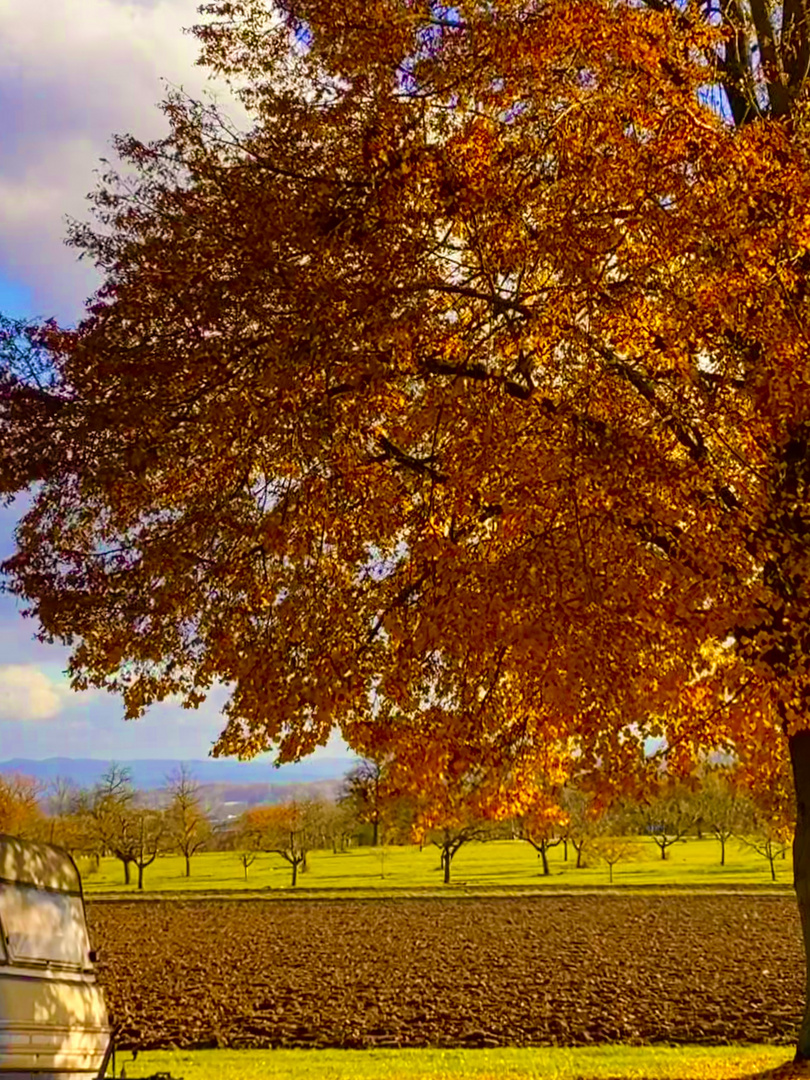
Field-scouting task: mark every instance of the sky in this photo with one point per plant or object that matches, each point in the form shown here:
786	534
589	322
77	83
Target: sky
72	74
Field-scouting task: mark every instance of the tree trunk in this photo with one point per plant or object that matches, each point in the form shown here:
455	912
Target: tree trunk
446	861
541	851
126	871
140	875
799	745
722	851
375	833
188	865
294	864
565	849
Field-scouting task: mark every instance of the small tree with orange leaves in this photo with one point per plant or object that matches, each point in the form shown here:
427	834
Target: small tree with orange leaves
541	824
20	812
287	830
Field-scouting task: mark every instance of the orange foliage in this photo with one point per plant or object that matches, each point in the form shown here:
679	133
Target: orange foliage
20	813
462	404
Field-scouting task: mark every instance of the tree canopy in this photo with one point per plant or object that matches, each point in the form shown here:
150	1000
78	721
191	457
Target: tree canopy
461	403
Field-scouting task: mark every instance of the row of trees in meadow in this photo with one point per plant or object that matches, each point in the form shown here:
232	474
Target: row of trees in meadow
716	801
114	819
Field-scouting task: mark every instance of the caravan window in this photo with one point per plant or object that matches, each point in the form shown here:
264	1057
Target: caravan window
43	926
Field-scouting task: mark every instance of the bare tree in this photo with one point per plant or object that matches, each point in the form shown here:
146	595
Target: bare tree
612	850
63	797
147	830
542	835
187	826
338	822
364	792
109	807
668	818
582	825
723	809
770	842
451	838
247	858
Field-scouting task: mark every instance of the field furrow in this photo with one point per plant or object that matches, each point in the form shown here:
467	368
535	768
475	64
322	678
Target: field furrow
451	972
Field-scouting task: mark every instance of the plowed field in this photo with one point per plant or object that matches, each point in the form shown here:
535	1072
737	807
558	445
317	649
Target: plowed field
466	972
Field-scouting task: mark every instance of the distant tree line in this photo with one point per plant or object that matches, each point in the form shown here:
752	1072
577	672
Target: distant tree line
113	819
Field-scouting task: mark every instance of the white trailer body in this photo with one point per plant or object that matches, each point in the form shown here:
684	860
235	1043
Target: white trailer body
53	1020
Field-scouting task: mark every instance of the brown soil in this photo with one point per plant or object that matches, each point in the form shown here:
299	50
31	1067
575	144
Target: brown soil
454	972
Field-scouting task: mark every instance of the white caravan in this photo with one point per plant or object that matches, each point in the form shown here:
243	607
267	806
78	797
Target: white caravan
53	1021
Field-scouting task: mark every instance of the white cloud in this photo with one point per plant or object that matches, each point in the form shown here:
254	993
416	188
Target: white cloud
73	73
27	694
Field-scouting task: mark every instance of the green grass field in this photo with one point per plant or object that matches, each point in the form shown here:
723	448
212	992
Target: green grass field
496	864
598	1063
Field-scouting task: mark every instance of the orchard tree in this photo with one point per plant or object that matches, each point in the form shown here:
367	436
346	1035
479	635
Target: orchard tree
767	827
110	811
63	796
339	824
186	824
459	807
68	823
246	859
768	839
723	806
364	791
20	812
285	829
462	403
583	824
451	836
543	822
668	816
146	833
612	850
543	834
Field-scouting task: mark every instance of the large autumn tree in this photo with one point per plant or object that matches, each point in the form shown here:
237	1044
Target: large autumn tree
462	402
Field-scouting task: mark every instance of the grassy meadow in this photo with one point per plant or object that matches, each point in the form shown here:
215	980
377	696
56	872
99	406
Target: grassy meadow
499	864
535	1063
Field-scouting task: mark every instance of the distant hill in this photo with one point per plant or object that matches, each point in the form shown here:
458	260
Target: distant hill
146	774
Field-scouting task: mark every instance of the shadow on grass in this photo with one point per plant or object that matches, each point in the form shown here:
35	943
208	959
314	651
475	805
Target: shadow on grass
788	1071
791	1070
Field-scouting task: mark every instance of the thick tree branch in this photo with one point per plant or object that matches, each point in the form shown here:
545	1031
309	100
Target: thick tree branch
795	44
778	95
421	466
